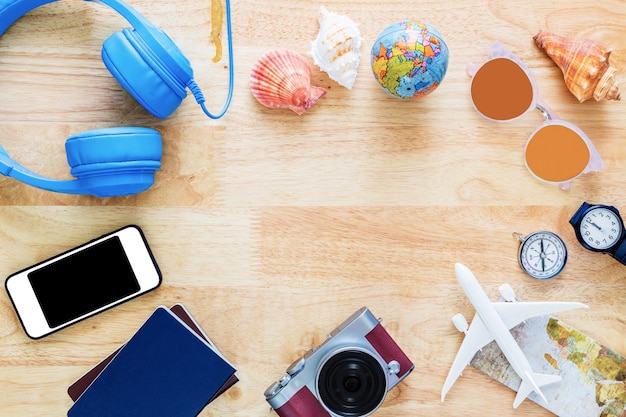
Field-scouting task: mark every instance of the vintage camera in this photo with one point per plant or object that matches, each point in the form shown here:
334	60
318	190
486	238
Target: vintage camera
348	375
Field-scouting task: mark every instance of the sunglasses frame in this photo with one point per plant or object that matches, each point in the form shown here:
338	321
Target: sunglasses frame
498	50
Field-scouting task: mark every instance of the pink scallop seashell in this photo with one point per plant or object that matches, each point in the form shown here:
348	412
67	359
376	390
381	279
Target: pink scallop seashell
282	79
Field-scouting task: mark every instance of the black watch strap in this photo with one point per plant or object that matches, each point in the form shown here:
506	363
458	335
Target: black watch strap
579	213
620	252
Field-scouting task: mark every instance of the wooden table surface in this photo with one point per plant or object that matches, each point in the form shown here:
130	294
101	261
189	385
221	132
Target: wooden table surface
272	228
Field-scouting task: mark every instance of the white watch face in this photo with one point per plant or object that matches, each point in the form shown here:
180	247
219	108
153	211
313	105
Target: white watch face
601	228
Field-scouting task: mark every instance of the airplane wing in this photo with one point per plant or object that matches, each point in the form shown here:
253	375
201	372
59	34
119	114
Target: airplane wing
513	313
476	337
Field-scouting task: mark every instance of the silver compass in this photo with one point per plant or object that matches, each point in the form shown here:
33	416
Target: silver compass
542	254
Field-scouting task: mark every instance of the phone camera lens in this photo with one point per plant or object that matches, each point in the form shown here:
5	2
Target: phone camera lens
352	383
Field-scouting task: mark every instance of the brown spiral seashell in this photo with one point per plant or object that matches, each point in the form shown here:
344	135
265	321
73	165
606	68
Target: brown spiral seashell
584	63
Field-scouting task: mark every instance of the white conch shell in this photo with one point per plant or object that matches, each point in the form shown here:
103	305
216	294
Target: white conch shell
336	50
584	63
282	79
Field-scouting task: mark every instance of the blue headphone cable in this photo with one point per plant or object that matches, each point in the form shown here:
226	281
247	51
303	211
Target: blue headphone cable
195	89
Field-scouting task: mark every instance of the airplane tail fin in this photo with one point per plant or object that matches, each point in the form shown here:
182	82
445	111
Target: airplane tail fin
534	382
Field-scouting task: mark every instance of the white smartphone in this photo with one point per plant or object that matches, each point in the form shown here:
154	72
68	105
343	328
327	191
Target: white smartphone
83	281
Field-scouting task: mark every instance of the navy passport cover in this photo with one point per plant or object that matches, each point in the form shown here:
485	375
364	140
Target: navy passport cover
80	385
163	370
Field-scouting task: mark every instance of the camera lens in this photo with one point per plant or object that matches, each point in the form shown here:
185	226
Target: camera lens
352	383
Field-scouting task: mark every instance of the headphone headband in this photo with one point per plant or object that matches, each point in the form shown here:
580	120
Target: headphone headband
11	10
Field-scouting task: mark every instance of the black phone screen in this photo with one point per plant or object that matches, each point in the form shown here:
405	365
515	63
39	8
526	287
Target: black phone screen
84	281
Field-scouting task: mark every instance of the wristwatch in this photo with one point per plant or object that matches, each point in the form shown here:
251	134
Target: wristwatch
600	228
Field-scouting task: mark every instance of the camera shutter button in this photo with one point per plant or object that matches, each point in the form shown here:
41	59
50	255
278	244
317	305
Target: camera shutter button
296	367
272	391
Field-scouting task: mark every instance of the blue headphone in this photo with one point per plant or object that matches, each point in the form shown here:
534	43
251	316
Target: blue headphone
148	64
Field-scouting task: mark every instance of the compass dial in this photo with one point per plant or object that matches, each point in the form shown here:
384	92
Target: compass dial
542	255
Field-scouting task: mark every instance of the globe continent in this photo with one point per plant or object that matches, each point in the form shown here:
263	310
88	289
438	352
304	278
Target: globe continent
409	59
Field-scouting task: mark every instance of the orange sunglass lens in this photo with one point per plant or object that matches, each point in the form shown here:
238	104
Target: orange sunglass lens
556	153
501	90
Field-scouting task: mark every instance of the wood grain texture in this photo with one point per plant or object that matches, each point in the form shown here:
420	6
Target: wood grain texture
273	228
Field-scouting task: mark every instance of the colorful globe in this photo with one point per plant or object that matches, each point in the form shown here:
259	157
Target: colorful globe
409	59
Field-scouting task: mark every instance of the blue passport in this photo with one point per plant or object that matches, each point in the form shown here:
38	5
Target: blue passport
165	370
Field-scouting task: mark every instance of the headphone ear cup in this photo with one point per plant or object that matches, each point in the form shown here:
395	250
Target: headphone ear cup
115	161
144	74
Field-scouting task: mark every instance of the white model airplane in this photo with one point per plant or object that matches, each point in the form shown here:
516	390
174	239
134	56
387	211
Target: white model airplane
492	322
